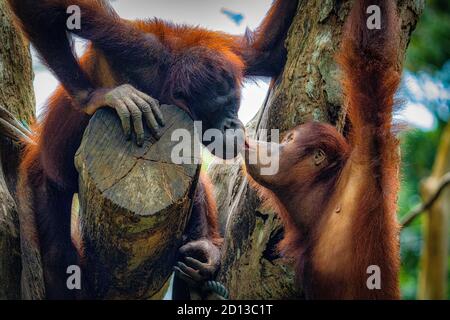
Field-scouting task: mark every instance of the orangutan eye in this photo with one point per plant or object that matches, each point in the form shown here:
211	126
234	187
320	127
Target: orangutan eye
288	138
178	95
319	157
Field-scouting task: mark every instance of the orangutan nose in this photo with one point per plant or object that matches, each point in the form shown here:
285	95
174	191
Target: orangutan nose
234	138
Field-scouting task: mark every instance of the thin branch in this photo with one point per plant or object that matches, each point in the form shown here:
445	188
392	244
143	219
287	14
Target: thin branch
414	213
12	128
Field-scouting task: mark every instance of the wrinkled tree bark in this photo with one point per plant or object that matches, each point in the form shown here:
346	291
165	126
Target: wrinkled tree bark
308	89
434	260
10	264
17	96
134	205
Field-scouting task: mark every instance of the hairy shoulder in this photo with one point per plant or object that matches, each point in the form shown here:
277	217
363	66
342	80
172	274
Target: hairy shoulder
179	37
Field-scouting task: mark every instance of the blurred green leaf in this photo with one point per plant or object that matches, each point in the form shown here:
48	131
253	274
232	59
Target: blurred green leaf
429	48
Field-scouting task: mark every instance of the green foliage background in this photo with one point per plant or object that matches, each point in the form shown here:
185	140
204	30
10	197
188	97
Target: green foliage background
428	56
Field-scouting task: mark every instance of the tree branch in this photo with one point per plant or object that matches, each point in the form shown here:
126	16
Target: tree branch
414	213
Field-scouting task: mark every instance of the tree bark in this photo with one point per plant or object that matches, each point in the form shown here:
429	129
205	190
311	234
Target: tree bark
16	86
134	205
433	271
308	89
17	96
10	263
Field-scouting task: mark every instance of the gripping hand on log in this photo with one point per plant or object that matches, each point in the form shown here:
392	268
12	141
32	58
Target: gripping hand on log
132	106
199	262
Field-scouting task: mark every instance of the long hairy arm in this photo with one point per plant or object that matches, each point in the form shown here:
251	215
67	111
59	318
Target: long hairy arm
45	24
263	50
368	58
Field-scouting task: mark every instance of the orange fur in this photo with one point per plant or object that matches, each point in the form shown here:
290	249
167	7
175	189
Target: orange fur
191	67
340	213
211	209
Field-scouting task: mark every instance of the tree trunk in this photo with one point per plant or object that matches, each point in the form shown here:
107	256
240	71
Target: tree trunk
433	271
134	205
308	89
10	263
17	96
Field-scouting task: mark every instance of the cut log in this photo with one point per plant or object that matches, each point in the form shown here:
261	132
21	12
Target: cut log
134	205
